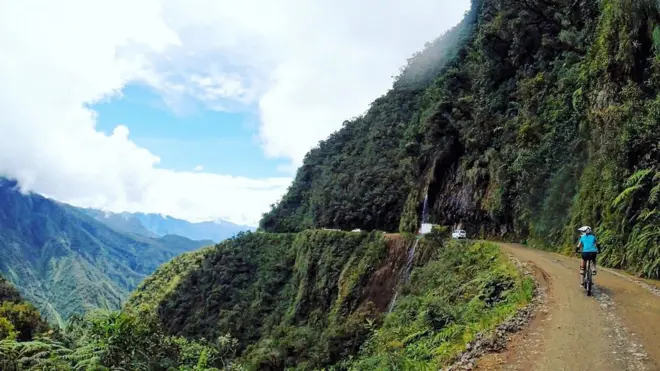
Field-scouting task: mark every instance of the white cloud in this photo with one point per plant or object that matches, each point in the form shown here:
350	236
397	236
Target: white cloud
311	64
196	196
198	168
307	65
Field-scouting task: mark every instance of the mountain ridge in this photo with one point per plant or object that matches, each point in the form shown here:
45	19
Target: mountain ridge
66	262
157	225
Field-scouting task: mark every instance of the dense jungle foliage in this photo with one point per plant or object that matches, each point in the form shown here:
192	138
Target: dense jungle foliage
288	299
537	117
465	289
101	340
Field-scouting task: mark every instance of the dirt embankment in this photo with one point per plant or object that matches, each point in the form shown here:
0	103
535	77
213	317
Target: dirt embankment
383	282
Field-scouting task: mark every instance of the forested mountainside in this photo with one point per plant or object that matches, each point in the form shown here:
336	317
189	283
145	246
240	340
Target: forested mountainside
360	176
535	117
66	262
155	225
313	299
123	222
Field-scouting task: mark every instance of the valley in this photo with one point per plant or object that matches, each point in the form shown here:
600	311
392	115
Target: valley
67	262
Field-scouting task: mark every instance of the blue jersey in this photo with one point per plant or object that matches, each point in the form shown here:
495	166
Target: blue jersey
588	243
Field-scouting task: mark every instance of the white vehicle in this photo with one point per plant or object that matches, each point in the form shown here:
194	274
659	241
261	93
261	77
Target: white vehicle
458	233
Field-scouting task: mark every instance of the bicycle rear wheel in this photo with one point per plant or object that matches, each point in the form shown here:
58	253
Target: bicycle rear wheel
588	283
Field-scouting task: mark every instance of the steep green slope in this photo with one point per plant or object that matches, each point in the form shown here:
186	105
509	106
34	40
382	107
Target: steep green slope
312	299
66	262
153	289
298	298
465	289
539	117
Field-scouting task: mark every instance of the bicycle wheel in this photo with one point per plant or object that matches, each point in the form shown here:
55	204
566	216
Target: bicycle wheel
587	278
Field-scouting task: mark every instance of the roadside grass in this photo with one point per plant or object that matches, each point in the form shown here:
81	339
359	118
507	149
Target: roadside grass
467	287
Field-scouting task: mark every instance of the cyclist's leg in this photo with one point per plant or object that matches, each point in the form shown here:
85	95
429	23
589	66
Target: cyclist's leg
591	256
593	264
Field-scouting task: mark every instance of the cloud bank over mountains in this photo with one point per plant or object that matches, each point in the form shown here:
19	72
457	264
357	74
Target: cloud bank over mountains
304	66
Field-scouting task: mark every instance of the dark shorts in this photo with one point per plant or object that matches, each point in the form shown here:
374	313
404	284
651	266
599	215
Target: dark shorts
589	256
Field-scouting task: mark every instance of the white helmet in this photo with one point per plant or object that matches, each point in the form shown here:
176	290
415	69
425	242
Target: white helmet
585	229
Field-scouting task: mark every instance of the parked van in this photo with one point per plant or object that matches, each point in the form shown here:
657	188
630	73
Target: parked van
458	234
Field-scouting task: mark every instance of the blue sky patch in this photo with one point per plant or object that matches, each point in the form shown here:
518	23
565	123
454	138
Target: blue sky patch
220	142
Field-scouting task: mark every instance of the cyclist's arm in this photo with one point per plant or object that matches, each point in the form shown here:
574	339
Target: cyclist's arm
579	245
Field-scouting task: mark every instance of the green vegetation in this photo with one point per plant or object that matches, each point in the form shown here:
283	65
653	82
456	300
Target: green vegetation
289	299
98	341
464	289
65	262
310	300
551	124
18	319
318	298
165	280
359	177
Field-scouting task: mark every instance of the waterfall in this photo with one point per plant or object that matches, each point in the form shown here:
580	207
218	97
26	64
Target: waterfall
393	301
425	209
405	274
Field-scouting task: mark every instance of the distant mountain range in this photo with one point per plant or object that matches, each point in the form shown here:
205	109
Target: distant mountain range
67	260
156	225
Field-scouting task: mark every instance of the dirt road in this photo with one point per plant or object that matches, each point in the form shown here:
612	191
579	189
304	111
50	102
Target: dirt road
618	328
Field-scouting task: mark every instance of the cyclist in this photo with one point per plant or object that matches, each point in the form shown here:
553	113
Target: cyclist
589	250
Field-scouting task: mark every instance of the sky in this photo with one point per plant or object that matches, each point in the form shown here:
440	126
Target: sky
198	109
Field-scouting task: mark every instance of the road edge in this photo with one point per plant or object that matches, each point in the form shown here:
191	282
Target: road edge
498	340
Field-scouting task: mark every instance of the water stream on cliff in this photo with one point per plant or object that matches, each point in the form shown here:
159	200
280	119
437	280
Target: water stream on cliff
425	210
411	257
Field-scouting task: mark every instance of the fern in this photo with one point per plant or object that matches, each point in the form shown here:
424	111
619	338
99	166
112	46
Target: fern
647	214
637	177
655	191
41	354
625	195
634	183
